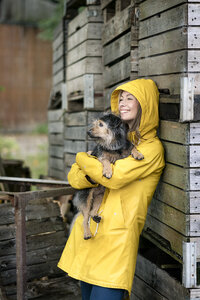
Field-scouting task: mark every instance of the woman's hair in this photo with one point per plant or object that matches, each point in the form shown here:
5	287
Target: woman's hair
135	123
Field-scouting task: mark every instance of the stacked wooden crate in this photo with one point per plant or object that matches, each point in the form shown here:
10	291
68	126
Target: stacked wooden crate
120	43
46	238
169	54
84	80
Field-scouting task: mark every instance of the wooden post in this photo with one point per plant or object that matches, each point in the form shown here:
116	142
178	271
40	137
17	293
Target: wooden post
187	99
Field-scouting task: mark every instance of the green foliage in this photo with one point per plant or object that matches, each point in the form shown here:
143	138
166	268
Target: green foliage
48	26
2	88
41	129
9	148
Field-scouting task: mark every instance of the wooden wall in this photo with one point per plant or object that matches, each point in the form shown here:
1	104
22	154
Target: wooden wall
26	76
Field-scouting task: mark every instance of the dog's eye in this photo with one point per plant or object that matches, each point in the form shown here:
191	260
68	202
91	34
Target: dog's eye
100	124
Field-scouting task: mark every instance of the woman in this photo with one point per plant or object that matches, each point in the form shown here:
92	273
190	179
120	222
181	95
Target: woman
106	263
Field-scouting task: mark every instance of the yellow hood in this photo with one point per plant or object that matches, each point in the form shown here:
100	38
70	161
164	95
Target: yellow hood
146	92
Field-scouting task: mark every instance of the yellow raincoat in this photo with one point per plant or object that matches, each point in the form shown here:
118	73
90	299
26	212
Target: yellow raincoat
108	259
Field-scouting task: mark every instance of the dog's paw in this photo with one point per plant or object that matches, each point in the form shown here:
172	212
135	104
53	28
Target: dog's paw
97	219
107	174
139	156
87	237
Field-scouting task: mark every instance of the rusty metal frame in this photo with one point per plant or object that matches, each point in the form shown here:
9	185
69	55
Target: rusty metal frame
19	201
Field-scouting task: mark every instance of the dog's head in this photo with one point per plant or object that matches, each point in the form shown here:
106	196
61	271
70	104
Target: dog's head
109	131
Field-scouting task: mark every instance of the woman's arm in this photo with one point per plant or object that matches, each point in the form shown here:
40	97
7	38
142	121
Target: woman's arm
124	170
78	179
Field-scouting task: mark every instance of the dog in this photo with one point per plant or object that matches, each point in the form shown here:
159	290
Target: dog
110	134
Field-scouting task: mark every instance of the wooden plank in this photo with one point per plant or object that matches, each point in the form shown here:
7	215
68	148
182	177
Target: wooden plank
76	119
75	133
194	157
93	116
177	154
55	127
193	37
193	61
105	3
87	48
89	31
59	174
77	84
91	14
149	8
194	133
56	163
159	280
58	41
167	20
168	41
178	176
194	14
87	65
58	65
117	49
58	77
56	151
118	24
169	63
69	159
56	139
55	115
195	179
118	72
172	82
58	53
75	146
174	132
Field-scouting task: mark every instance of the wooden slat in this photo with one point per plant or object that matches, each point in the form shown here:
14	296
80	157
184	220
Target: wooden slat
56	163
56	139
75	133
194	133
167	20
69	159
58	53
58	77
58	65
55	127
90	14
177	176
117	49
58	41
117	25
149	8
194	14
118	72
174	131
53	172
76	119
168	41
193	37
87	65
87	48
105	3
75	146
177	154
89	31
164	64
56	151
77	84
55	115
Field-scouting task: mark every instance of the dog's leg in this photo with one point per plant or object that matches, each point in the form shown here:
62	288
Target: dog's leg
107	169
86	215
94	212
136	154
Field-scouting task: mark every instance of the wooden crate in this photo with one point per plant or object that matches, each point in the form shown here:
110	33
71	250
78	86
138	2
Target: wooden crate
56	144
169	49
120	44
84	60
43	225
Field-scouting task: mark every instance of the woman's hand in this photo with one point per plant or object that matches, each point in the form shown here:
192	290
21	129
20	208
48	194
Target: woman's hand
89	152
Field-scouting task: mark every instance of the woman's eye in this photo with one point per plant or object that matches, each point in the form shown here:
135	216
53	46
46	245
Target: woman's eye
100	124
130	98
120	100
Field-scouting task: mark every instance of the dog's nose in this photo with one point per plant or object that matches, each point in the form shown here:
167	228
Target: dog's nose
89	132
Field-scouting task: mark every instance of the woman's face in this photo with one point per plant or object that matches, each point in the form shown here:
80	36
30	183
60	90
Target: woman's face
128	106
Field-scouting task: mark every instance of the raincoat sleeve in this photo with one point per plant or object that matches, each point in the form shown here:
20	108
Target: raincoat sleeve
124	170
78	179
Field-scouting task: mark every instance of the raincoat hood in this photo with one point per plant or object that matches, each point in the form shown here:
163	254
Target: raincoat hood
146	92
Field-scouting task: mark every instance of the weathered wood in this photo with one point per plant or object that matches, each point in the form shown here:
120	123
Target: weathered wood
160	23
69	159
149	8
56	173
58	41
89	31
168	41
55	115
175	132
58	77
177	154
118	24
93	116
177	176
90	14
76	119
75	133
164	64
56	139
56	151
117	72
77	84
75	146
159	280
194	133
117	49
90	65
105	3
58	65
193	14
55	127
87	48
58	53
56	163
